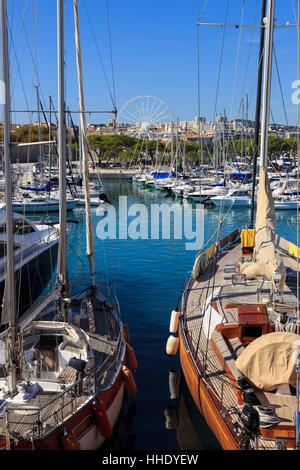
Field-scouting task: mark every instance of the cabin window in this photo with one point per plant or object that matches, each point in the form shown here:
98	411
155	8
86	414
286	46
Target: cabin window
21	227
251	331
3	251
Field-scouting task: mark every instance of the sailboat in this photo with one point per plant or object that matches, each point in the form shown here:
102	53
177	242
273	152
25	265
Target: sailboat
35	256
238	332
39	205
63	366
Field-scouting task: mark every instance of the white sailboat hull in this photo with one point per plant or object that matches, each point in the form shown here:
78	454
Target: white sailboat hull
42	206
231	202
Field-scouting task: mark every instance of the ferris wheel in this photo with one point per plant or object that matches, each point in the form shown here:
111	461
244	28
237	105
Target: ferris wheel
141	116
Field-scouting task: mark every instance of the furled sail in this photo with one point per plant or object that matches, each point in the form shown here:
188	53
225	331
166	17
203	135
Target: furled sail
266	261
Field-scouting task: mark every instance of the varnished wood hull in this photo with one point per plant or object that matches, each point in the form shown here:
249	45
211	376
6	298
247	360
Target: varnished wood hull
203	400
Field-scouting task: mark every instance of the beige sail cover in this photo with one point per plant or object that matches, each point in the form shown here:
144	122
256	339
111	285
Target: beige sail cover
270	360
266	262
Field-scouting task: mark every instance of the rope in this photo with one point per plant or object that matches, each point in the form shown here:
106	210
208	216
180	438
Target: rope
110	51
249	52
267	416
289	326
99	56
280	86
237	61
221	57
35	70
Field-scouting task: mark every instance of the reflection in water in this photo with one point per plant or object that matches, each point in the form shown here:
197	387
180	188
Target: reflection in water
148	277
123	438
192	432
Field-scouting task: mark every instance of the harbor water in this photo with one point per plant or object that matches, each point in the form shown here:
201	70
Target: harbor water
148	276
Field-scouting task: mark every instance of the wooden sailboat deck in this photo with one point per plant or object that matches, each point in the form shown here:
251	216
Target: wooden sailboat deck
215	359
47	410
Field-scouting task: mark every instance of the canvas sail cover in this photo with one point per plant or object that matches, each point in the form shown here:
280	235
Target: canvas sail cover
270	360
47	187
266	261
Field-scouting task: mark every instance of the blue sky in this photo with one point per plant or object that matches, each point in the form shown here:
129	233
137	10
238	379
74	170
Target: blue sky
154	47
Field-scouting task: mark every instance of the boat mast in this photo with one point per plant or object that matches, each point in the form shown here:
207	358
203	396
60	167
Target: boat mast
172	144
269	21
50	133
184	149
257	111
62	273
40	131
89	224
9	303
156	153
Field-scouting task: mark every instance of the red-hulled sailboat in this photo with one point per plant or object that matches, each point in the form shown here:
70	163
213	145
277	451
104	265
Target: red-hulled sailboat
66	364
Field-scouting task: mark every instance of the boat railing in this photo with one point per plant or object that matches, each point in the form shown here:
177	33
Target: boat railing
210	253
45	417
24	253
287	247
279	443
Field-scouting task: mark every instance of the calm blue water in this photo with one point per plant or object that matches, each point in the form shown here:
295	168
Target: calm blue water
148	277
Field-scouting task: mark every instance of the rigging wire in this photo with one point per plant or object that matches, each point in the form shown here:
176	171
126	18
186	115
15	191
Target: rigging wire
250	49
18	66
280	86
245	76
200	14
220	61
35	71
111	54
99	56
237	60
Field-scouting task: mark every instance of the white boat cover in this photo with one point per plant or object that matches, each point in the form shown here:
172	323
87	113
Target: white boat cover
270	360
266	262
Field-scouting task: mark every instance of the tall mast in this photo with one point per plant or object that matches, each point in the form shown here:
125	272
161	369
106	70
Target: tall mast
9	304
50	134
176	151
89	224
246	138
62	253
172	144
156	152
257	111
40	131
267	84
184	149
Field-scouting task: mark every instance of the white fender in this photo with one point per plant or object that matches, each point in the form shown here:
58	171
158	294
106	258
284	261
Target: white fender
174	321
172	345
199	265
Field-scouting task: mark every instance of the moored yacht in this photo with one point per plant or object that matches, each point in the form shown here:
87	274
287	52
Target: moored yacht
232	198
238	324
64	365
35	257
39	204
